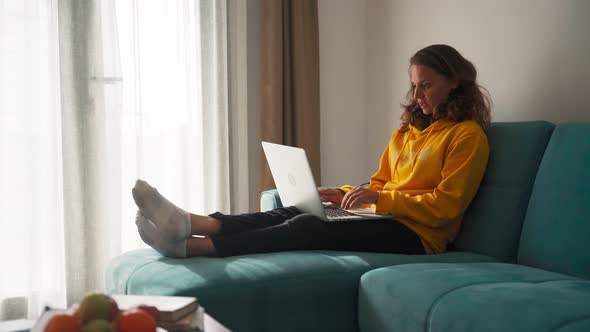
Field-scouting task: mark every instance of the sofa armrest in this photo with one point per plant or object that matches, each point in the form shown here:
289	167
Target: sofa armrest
270	200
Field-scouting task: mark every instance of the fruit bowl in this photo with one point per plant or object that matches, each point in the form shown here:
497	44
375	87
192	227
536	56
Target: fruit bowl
41	323
99	313
47	315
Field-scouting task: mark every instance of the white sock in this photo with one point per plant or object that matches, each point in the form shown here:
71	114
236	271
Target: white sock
172	222
151	235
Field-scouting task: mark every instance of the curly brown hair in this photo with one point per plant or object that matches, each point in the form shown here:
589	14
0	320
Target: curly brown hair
469	101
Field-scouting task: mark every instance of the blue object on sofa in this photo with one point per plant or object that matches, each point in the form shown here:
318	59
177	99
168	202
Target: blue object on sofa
319	290
547	290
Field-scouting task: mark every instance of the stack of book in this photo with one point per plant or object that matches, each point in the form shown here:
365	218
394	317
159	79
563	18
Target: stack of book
177	313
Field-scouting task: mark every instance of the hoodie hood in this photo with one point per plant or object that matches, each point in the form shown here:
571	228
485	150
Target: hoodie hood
437	126
416	135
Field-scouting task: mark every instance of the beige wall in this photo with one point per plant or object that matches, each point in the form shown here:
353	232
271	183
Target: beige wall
532	55
342	25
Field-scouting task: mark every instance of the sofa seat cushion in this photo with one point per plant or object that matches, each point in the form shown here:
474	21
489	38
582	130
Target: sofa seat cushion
471	297
288	291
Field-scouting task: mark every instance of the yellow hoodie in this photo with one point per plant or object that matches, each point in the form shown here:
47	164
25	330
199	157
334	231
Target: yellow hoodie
428	186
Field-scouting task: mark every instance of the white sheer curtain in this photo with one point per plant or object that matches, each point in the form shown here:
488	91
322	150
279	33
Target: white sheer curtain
31	192
94	94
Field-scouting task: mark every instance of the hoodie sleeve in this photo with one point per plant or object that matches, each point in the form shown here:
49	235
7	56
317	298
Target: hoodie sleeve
383	175
462	171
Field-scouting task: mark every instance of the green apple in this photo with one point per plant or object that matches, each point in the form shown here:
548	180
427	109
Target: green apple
97	306
99	325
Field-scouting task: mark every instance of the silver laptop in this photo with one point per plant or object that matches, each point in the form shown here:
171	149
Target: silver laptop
294	180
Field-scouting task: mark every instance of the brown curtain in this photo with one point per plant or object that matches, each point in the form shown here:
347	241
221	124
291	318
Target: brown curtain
289	82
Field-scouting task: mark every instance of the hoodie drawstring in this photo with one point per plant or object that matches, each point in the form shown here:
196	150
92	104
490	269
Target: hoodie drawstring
415	155
400	153
421	146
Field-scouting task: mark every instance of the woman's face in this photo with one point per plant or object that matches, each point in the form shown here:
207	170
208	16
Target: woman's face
430	88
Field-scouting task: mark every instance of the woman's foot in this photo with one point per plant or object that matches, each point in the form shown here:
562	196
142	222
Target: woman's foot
151	235
173	223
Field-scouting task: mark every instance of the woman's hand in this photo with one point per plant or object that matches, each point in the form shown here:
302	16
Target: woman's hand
358	196
333	195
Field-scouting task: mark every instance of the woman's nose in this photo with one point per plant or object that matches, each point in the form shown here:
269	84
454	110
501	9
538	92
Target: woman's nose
417	93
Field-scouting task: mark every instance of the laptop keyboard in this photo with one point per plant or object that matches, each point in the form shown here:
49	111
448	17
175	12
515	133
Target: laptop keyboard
335	213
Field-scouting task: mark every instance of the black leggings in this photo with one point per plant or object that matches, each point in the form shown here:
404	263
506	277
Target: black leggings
286	228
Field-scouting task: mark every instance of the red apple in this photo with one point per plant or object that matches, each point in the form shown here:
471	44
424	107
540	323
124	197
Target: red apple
153	311
63	322
136	320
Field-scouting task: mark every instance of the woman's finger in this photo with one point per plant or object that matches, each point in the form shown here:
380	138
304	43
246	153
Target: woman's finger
351	197
354	203
359	200
345	199
350	204
343	202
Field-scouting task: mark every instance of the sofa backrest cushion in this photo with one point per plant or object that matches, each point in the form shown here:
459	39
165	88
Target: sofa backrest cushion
493	221
556	230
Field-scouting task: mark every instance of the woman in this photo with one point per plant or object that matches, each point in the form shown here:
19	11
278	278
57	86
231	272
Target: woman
428	174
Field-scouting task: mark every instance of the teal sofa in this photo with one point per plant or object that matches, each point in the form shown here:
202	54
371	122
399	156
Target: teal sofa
520	263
